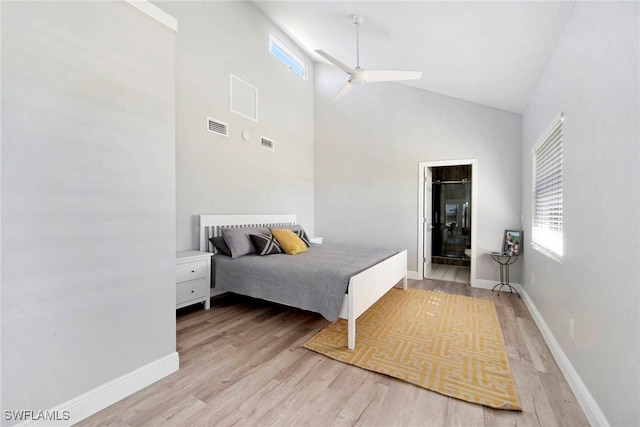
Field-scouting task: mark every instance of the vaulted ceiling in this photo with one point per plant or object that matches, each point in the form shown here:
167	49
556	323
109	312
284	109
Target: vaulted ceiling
487	52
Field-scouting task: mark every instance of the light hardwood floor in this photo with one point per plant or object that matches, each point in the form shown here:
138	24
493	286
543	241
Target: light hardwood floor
241	364
450	273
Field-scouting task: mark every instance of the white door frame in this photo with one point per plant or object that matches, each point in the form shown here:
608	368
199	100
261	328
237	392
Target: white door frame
427	232
474	210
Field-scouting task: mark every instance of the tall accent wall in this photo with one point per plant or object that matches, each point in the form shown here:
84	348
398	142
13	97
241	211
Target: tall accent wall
228	175
88	199
367	149
593	78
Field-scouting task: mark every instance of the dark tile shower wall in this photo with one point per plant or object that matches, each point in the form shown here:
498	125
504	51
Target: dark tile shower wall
451	214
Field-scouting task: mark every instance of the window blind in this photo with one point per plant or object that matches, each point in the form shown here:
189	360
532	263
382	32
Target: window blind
546	232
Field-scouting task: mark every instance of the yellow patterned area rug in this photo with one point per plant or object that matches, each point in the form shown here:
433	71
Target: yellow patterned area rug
451	344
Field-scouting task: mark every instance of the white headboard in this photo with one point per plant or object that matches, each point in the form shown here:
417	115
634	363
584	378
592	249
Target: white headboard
210	224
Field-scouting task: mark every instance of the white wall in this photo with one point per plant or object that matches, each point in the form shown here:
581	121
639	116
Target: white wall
367	149
592	78
222	175
88	205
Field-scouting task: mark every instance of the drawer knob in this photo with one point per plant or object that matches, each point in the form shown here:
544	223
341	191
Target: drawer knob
192	291
193	271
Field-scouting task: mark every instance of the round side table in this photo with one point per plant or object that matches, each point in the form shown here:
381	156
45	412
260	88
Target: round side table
505	261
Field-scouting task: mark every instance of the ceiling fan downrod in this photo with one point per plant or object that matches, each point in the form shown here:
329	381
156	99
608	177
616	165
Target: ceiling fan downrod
358	76
357	20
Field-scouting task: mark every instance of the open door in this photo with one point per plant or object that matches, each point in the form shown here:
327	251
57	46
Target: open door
427	221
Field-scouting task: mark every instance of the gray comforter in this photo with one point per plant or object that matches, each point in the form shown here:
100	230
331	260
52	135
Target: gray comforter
315	280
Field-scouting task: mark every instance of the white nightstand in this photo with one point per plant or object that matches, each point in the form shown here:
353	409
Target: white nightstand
193	278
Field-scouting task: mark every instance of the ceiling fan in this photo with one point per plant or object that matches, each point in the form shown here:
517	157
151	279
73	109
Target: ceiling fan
359	76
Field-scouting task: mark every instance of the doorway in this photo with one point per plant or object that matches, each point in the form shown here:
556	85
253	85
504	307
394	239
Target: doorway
451	215
447	220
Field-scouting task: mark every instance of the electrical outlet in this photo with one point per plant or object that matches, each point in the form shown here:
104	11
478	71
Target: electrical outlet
572	328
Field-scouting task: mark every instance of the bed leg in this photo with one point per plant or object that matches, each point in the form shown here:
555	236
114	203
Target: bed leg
351	319
351	331
404	283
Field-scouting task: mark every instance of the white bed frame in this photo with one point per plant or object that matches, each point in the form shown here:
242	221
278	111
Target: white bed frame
365	288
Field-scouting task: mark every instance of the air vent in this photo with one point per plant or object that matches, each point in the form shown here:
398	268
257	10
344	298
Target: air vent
217	127
267	144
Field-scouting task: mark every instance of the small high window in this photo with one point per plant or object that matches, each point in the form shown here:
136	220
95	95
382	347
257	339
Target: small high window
285	55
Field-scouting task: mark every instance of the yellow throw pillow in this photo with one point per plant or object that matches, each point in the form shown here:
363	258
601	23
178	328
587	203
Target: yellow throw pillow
289	241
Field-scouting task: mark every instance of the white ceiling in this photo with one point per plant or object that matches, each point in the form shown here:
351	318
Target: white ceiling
491	53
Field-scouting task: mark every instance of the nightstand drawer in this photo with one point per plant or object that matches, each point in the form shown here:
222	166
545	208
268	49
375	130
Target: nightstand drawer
191	271
193	289
193	278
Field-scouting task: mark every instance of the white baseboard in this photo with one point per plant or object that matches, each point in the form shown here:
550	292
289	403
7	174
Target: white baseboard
588	404
483	284
413	275
101	397
93	401
585	399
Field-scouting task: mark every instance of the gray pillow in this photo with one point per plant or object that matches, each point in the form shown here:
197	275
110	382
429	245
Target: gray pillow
238	240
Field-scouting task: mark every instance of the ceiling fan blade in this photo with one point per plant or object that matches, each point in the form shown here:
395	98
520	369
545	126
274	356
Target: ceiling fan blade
391	75
346	88
335	62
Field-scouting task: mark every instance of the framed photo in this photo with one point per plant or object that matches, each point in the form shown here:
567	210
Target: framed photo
512	242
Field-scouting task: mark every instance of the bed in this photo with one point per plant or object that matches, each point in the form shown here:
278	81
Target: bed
329	281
